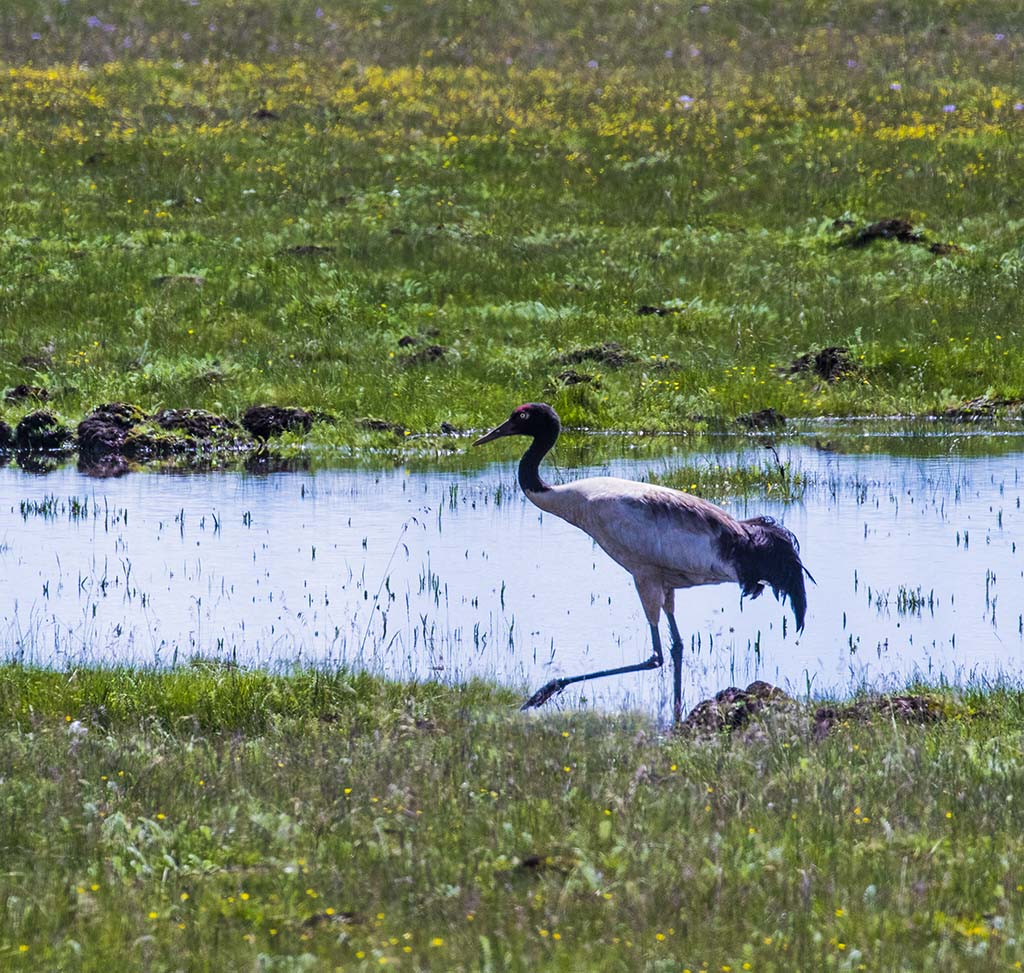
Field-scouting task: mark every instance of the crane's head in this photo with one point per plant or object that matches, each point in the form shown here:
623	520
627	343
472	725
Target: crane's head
533	419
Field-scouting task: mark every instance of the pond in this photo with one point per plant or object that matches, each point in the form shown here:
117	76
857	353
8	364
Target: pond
439	568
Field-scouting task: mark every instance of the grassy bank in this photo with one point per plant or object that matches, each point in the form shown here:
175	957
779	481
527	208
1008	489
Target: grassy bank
331	821
426	214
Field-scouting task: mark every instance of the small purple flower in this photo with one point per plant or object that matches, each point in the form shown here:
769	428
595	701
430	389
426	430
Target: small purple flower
1018	106
186	36
668	53
895	86
126	43
685	100
109	28
319	13
36	36
94	21
1000	37
591	64
704	8
694	52
851	63
949	109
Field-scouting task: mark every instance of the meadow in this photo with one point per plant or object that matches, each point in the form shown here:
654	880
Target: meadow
215	819
426	213
655	215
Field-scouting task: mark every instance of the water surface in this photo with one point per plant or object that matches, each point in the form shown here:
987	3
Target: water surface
443	570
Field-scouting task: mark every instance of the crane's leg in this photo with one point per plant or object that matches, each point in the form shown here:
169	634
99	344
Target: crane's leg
557	685
676	651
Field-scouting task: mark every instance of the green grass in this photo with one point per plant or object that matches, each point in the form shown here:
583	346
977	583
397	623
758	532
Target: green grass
236	817
475	184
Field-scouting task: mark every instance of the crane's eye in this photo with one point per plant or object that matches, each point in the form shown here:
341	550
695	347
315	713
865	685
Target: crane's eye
524	415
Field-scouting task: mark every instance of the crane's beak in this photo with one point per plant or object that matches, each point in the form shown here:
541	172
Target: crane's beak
505	429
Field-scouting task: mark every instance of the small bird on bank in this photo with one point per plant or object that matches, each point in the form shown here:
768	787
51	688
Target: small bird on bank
664	538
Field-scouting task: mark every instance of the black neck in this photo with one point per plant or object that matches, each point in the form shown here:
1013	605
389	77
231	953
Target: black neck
529	465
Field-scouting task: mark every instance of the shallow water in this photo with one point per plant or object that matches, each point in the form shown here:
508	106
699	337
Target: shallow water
454	574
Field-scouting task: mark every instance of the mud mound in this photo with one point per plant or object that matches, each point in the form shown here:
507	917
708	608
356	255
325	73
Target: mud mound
733	708
896	229
830	363
657	310
912	709
42	431
426	355
981	407
104	430
762	419
22	393
264	422
380	425
196	423
610	353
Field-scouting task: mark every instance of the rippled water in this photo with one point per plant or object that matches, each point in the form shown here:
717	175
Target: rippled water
452	574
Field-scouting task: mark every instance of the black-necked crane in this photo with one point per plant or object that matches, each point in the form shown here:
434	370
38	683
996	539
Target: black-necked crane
664	538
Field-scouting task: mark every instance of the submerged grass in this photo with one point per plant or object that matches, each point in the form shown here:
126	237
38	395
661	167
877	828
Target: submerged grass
425	214
318	821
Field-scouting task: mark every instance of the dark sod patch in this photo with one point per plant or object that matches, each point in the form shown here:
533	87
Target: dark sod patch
830	363
762	419
426	355
380	425
42	432
22	393
732	708
267	421
610	353
900	230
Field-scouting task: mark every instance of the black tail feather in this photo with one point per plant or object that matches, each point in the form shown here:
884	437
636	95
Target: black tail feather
770	555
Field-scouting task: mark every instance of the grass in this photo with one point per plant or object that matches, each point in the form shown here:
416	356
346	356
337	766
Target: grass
510	186
333	821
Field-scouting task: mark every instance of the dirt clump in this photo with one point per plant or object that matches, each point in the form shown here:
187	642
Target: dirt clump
426	355
42	362
42	432
913	709
380	425
945	249
733	708
264	422
609	353
762	419
830	363
892	228
196	423
981	407
658	310
571	377
22	393
104	430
